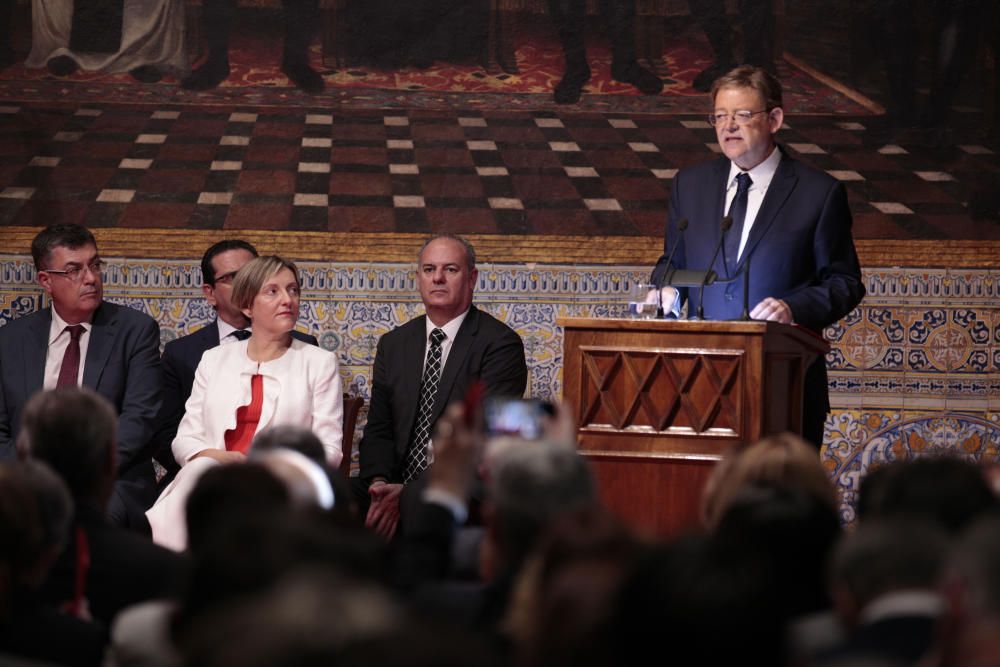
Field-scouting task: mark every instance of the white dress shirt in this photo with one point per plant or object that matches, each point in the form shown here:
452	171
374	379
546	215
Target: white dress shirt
450	331
761	175
58	342
225	331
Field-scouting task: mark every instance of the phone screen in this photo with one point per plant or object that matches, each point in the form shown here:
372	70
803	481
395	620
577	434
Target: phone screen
514	417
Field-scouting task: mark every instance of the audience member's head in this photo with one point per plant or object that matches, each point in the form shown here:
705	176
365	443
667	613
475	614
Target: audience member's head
561	613
227	494
297	457
219	266
55	505
784	461
950	491
882	557
251	278
970	632
793	532
69	270
21	535
529	487
73	430
703	602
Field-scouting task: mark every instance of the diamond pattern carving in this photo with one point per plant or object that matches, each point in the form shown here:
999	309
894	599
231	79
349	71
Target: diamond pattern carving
659	391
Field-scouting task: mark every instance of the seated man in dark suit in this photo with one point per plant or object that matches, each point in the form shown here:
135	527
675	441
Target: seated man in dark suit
83	340
792	220
102	568
219	265
422	367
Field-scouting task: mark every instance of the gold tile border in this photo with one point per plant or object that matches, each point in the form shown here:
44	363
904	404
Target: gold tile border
397	247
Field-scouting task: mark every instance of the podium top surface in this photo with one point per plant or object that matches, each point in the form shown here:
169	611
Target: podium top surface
745	327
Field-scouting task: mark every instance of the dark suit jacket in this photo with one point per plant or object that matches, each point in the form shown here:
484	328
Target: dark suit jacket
180	360
484	348
123	365
125	568
800	248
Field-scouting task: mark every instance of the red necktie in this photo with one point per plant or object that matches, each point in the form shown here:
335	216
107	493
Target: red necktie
70	368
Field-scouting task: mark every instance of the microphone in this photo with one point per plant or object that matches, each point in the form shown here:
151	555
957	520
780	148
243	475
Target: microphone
682	226
727	222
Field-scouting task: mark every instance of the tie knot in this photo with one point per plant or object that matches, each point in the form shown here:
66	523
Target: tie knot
437	336
743	182
240	334
75	331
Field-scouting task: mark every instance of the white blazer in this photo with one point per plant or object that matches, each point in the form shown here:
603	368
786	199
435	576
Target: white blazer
301	388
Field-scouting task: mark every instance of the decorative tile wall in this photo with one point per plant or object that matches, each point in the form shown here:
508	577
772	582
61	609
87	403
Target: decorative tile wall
914	370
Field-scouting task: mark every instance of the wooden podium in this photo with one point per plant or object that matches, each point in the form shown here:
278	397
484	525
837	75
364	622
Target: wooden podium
659	401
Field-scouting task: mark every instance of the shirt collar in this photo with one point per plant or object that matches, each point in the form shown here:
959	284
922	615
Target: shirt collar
450	329
225	328
59	325
761	175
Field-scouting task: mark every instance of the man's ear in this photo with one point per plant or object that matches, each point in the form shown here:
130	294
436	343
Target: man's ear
45	280
775	118
474	276
209	292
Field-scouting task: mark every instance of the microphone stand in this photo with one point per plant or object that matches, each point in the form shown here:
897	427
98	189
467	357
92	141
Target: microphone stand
668	272
727	222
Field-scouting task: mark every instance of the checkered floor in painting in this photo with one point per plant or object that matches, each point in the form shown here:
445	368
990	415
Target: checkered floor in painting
428	171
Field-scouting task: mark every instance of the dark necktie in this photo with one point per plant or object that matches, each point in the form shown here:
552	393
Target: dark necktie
738	212
70	368
240	334
417	458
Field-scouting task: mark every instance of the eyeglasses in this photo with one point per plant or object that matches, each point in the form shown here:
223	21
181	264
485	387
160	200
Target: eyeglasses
75	273
741	117
226	278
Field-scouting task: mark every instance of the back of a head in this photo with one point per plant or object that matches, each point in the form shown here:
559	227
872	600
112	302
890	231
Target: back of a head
784	460
296	438
975	562
55	506
73	430
713	606
945	489
529	486
794	532
883	556
21	534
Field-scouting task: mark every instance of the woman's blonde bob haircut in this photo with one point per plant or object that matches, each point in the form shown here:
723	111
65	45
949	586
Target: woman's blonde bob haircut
784	460
253	275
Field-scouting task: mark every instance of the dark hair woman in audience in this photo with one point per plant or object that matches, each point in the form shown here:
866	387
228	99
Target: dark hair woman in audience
267	380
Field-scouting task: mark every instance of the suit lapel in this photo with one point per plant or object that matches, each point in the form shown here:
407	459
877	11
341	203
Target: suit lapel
777	193
413	367
35	349
99	347
208	336
456	360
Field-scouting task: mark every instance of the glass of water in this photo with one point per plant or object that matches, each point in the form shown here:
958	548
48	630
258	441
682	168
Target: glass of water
643	302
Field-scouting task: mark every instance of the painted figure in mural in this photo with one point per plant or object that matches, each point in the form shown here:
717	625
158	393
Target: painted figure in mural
757	18
792	220
393	34
142	37
423	366
300	18
181	357
619	15
82	340
270	378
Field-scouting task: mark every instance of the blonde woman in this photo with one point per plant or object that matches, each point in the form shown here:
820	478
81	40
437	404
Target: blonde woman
270	379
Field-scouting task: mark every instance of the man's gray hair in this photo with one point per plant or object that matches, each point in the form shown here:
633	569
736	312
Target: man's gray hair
470	252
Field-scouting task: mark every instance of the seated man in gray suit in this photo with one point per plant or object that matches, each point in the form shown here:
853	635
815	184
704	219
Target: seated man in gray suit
82	340
219	265
425	365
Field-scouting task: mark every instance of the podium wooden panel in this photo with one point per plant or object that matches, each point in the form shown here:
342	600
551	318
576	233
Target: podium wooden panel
659	401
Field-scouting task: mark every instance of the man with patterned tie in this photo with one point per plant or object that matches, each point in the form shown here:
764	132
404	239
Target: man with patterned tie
82	340
219	265
423	366
793	221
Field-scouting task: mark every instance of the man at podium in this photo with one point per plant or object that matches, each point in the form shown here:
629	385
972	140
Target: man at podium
765	223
